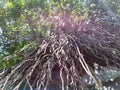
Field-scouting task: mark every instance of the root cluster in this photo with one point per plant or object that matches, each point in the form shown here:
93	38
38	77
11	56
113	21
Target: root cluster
64	57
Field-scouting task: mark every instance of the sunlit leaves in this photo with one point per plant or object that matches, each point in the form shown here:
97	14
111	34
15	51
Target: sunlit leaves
9	4
15	56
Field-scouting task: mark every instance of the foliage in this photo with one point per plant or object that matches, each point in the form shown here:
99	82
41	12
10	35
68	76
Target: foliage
23	21
114	6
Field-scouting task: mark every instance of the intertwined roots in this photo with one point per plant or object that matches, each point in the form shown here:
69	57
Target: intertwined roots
69	54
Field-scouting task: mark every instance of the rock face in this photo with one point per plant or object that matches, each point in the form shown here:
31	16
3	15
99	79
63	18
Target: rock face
110	77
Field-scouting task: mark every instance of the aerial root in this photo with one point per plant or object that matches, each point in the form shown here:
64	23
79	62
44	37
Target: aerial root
70	54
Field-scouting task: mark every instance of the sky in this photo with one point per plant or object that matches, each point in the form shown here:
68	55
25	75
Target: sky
0	31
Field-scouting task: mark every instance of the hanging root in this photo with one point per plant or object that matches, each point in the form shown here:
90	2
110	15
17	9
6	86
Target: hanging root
62	59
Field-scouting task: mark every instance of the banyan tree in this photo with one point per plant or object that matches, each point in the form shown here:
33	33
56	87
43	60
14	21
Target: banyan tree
71	50
74	47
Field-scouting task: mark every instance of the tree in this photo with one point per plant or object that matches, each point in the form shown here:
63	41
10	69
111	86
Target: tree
74	44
